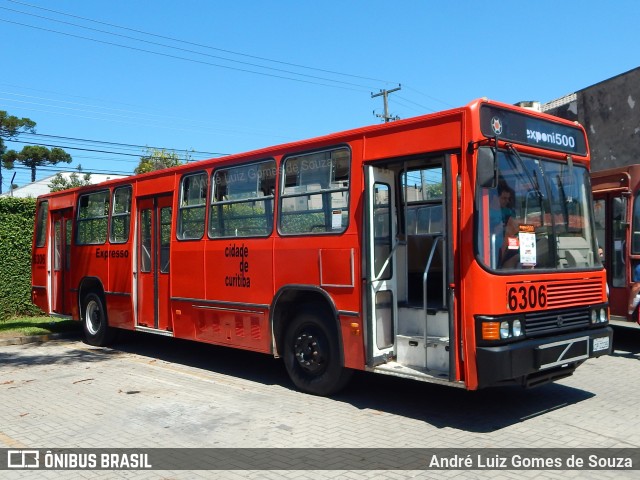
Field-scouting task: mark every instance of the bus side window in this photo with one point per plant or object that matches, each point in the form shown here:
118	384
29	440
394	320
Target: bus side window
242	200
315	193
93	213
41	224
192	206
121	215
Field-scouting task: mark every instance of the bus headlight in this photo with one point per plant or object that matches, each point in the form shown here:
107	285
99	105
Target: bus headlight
599	314
502	330
505	331
517	328
603	315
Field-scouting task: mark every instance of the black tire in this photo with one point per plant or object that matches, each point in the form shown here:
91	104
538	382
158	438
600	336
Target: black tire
312	357
95	324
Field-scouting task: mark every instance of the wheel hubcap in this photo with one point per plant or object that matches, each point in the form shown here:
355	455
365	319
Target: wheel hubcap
309	353
92	317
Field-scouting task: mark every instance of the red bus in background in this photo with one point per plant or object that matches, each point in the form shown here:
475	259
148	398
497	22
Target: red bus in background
457	247
617	221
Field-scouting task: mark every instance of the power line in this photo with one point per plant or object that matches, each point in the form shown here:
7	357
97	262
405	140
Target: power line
102	142
59	170
108	152
133	121
21	169
198	44
77	148
111	25
129	120
342	84
178	48
448	105
415	104
203	46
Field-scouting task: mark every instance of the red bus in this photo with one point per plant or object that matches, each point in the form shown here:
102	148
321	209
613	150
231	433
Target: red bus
617	221
456	247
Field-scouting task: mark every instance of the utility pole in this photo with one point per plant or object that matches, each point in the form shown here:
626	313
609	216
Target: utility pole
385	96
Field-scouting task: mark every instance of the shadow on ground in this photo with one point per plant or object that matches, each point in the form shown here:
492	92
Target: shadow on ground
23	357
441	406
626	342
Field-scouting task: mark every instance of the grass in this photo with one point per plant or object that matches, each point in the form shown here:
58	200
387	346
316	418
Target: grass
27	326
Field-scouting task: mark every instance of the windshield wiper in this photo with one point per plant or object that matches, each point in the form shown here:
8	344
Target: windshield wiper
565	202
534	184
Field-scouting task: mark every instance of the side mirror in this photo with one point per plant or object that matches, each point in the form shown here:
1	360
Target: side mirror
487	171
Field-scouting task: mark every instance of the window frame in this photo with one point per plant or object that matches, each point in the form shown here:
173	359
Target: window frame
163	247
81	221
328	191
41	223
181	208
114	215
215	203
416	207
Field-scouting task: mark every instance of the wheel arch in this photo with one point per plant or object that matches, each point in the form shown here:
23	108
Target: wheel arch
88	285
292	299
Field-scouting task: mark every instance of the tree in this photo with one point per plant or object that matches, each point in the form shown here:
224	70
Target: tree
61	183
34	156
10	127
159	159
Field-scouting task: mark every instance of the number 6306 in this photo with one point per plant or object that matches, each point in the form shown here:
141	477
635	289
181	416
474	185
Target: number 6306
526	296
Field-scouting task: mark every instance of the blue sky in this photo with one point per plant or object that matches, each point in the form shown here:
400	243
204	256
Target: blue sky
230	76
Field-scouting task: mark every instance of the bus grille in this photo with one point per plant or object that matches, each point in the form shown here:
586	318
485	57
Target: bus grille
565	294
548	321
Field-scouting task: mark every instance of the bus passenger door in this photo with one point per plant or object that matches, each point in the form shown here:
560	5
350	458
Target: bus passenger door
380	264
61	262
154	239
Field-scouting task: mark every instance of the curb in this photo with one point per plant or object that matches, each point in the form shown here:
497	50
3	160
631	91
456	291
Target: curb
37	338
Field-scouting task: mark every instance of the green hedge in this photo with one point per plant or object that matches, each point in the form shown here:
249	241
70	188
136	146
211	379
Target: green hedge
16	231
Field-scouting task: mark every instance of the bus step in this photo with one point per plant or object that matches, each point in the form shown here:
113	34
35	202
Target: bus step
416	373
432	354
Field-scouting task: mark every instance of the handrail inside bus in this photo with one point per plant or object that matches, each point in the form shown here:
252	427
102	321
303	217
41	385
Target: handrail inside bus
386	262
425	276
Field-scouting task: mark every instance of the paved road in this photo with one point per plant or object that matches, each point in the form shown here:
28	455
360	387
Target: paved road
150	392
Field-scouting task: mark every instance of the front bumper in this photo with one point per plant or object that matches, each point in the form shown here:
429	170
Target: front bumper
536	361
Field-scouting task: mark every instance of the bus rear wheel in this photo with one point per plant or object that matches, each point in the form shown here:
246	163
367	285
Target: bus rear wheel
312	357
94	321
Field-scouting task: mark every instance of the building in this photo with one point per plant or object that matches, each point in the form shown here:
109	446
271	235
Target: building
610	112
41	186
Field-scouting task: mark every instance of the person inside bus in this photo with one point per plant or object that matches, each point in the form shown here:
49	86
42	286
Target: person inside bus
503	223
501	206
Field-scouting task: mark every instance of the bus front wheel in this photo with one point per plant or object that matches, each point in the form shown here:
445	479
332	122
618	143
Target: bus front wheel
311	356
94	321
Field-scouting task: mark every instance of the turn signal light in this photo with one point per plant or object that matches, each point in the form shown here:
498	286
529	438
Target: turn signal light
491	330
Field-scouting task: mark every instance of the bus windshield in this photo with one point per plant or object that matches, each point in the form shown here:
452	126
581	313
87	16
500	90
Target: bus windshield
536	215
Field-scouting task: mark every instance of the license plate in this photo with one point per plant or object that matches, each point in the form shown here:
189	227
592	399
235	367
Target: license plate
600	344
